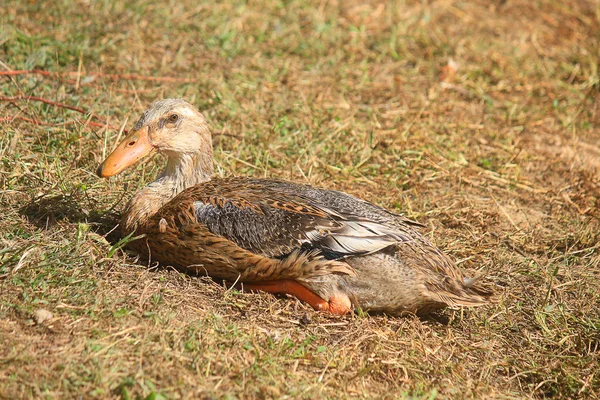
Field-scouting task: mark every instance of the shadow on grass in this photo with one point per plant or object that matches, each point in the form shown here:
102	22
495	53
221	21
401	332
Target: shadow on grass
46	211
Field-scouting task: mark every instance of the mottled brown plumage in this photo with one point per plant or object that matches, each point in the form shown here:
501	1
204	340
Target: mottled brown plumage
328	248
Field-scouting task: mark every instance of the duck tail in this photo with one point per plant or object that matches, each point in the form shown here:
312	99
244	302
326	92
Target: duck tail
469	292
475	288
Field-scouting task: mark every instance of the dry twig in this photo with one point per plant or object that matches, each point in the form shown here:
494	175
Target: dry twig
38	122
108	76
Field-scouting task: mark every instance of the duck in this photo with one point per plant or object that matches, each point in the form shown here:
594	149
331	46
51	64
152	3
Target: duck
332	250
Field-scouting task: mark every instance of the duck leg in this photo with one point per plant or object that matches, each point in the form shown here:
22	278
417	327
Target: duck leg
337	305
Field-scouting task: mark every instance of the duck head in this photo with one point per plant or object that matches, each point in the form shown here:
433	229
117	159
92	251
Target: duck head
171	126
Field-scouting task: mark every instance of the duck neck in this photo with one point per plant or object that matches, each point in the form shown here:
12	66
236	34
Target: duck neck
182	171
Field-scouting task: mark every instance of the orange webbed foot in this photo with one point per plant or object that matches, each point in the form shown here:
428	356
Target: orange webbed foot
337	305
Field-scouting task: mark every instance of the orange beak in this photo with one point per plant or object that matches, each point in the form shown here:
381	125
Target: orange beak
132	149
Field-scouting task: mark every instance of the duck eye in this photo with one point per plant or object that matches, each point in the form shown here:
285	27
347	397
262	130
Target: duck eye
173	118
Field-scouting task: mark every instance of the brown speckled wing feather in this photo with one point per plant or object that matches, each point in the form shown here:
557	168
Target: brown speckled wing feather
264	229
174	236
260	217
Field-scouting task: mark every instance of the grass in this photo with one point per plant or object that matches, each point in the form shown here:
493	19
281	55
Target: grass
498	157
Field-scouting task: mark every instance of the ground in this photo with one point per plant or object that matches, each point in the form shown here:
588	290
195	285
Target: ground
479	119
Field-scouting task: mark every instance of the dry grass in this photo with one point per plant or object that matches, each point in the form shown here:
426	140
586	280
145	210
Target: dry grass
500	158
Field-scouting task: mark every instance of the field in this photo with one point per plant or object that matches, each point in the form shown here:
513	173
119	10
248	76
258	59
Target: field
479	119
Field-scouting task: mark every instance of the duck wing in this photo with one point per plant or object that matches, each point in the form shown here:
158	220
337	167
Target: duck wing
343	203
272	219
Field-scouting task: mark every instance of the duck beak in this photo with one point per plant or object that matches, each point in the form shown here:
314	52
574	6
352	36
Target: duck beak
132	149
